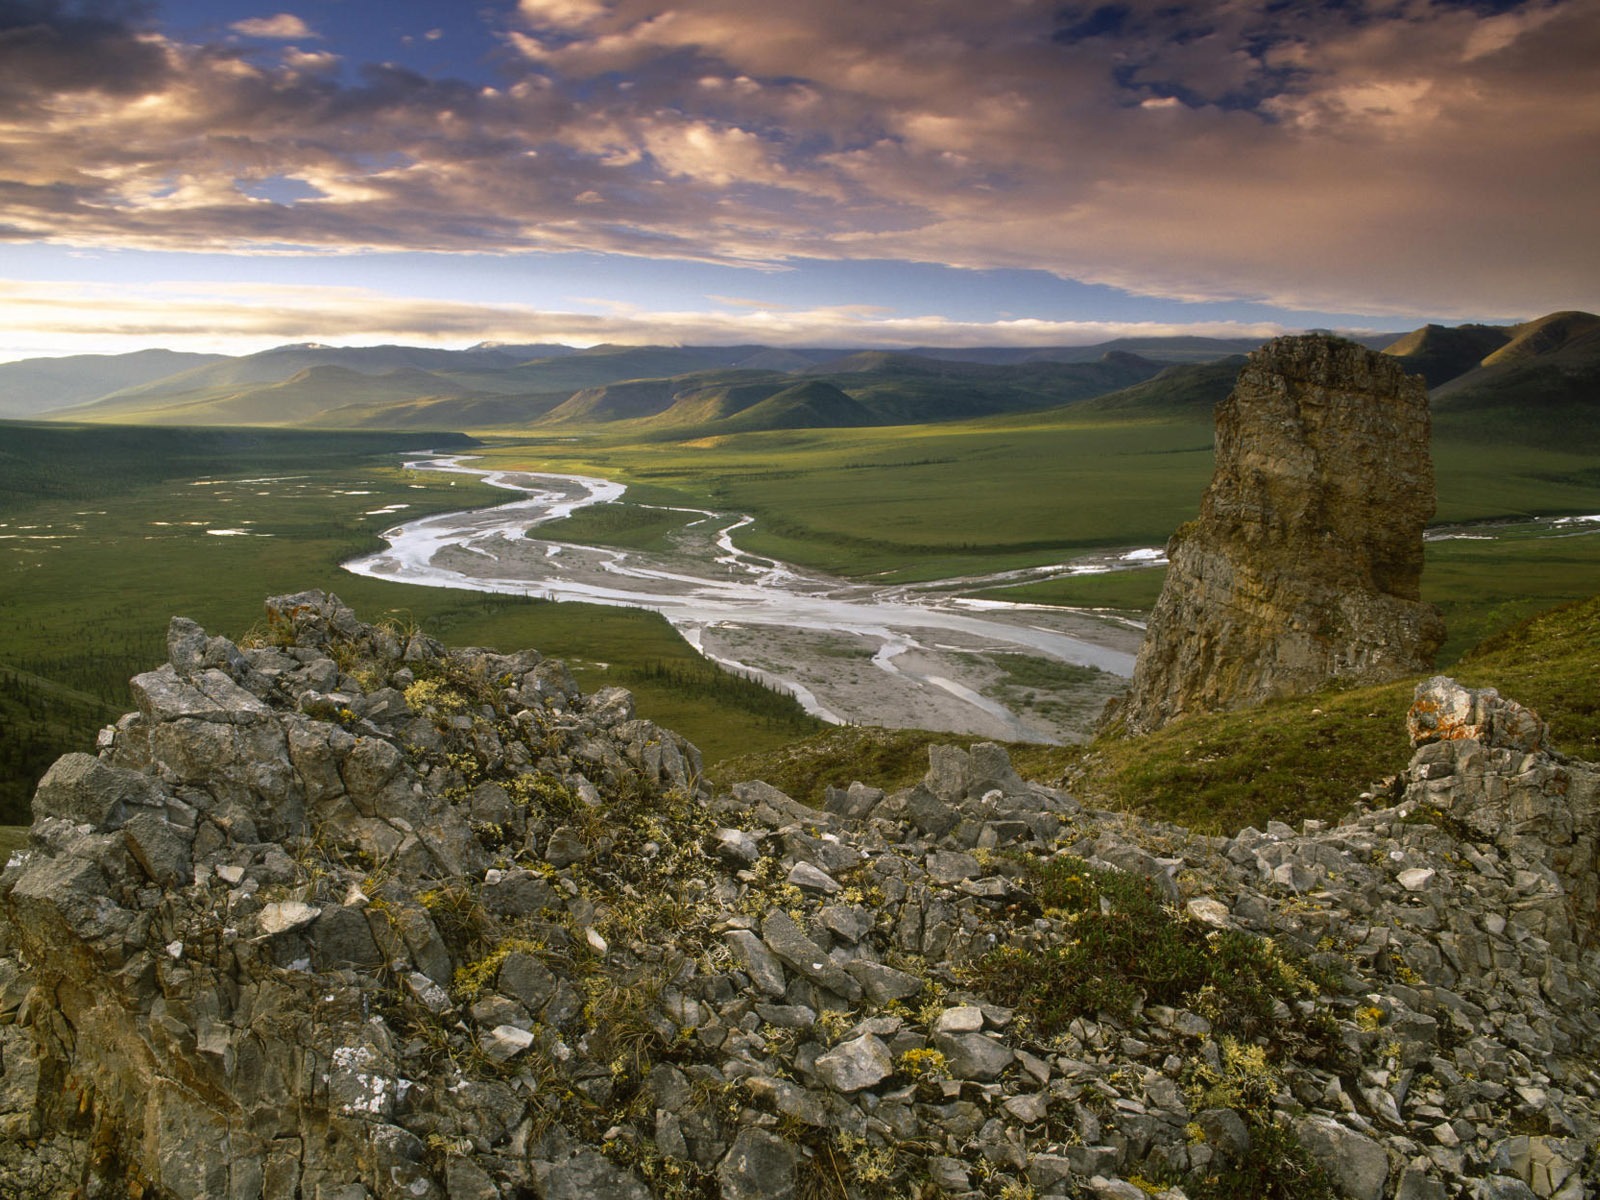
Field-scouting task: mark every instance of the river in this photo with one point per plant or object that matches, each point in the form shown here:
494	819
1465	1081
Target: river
906	655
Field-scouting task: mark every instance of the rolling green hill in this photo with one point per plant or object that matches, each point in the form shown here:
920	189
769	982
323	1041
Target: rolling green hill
1491	372
316	396
812	404
1439	353
641	399
1188	389
699	406
40	385
232	375
1540	388
492	386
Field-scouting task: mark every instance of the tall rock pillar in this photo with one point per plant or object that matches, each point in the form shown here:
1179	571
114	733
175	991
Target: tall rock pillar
1304	565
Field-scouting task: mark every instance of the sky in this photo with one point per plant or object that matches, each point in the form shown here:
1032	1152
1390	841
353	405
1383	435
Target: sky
226	176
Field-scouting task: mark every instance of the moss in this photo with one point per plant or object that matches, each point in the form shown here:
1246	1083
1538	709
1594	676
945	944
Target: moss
1276	1167
924	1064
472	978
1119	944
1547	663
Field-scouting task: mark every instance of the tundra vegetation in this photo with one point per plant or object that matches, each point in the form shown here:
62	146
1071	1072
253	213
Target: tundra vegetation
108	530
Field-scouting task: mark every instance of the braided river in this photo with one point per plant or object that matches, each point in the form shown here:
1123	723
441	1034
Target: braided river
916	655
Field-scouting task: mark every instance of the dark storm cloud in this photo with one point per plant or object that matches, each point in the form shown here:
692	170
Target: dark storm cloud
48	47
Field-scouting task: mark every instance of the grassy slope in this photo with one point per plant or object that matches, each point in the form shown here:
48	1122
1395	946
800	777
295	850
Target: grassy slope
1310	756
1307	757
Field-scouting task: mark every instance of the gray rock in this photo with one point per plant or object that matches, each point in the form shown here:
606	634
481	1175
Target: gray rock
297	960
466	1180
951	1174
787	1016
763	967
1502	1187
1047	1171
590	1176
1125	857
974	1056
342	937
504	1042
396	1169
286	916
1417	1185
161	849
1225	1132
162	695
931	813
1102	1188
949	866
790	943
851	1066
855	802
949	773
1028	1107
883	984
565	847
809	879
758	1166
737	846
852	923
964	1018
427	993
86	791
1357	1164
520	893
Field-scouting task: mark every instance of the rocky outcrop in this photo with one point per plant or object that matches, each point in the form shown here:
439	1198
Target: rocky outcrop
1304	564
346	915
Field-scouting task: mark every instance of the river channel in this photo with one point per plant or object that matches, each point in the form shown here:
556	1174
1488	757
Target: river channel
905	655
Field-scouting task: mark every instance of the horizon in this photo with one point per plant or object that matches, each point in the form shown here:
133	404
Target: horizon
908	348
225	177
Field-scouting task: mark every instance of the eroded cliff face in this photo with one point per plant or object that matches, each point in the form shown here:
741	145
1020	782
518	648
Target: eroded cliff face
345	915
1304	565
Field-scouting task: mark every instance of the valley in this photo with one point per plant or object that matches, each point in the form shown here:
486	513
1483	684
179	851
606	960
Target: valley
984	478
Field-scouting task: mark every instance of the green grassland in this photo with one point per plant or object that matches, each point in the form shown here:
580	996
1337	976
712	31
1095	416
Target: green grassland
87	586
41	462
967	498
921	502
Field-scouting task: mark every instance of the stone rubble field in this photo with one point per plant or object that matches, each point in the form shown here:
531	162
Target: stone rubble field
340	914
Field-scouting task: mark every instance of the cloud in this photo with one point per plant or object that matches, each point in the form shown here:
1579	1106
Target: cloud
77	318
1408	158
284	25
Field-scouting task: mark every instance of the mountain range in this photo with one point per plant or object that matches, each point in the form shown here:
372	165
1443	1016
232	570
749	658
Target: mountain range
1479	373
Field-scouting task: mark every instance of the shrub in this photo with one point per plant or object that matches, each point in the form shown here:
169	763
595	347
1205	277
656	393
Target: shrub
1119	944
